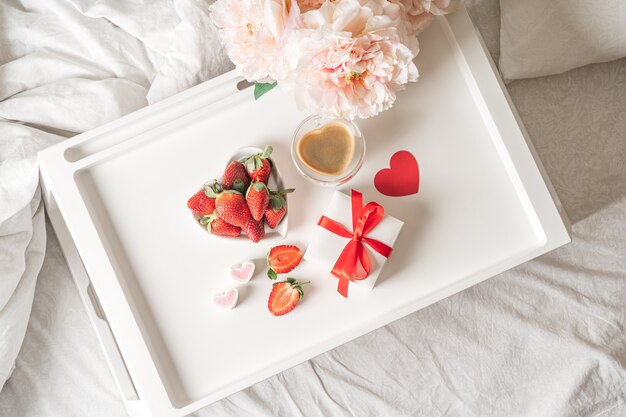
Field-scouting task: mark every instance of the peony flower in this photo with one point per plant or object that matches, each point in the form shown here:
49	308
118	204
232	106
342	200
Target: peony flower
308	5
440	7
421	12
254	33
350	57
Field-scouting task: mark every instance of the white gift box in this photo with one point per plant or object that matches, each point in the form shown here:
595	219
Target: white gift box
326	246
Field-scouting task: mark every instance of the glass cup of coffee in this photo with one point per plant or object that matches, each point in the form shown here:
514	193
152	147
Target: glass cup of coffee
328	151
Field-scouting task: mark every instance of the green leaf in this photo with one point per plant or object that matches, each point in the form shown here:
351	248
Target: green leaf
276	202
238	185
212	189
250	165
259	186
262	88
271	274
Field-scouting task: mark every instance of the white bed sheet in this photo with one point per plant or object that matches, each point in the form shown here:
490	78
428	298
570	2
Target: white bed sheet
546	339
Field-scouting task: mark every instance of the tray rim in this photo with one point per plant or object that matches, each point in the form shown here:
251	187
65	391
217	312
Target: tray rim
482	75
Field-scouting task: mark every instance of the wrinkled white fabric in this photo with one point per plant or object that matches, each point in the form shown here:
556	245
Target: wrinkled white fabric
543	37
67	67
23	241
195	54
545	339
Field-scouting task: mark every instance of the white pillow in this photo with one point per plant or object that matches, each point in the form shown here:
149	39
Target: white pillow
542	37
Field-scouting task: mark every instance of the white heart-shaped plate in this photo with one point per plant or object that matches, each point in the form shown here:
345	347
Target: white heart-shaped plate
274	183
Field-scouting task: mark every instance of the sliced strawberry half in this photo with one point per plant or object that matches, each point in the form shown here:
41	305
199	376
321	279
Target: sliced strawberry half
285	296
283	259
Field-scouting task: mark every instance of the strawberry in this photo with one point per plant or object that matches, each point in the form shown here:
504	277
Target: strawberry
254	229
231	207
235	177
218	226
259	165
201	203
257	197
285	295
277	207
282	259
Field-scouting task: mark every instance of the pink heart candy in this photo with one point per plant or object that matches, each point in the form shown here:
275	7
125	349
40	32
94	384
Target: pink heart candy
242	272
226	299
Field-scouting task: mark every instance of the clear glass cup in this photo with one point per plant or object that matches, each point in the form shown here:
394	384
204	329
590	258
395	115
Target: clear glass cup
315	122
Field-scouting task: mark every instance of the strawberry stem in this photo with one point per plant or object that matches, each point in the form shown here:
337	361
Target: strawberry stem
212	189
295	283
271	274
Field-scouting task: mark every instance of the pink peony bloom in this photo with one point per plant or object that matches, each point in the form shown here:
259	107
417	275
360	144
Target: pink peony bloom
254	33
307	5
421	12
351	57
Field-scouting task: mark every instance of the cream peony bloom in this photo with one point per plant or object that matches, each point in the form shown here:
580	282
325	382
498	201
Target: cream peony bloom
350	58
421	12
254	33
307	5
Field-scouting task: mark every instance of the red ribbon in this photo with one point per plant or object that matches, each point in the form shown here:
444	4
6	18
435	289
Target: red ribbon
354	255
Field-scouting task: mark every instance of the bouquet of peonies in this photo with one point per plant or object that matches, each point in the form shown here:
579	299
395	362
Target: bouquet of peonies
342	58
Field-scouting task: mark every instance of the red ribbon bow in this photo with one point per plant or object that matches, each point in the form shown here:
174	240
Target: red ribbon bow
354	255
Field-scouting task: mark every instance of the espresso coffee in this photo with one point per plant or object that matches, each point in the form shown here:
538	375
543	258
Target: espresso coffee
327	150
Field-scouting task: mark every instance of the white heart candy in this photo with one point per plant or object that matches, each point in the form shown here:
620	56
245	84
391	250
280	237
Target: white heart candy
242	272
227	299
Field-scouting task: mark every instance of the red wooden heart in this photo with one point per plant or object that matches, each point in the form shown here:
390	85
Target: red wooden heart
401	178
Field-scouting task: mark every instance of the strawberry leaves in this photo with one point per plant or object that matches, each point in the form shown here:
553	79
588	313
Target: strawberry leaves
239	185
295	284
277	198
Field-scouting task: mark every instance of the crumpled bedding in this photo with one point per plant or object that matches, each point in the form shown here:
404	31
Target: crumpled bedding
67	67
545	339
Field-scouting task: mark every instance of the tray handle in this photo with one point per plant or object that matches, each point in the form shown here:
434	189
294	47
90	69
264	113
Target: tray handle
90	300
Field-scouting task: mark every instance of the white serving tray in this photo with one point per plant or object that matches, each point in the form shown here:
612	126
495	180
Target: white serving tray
484	206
